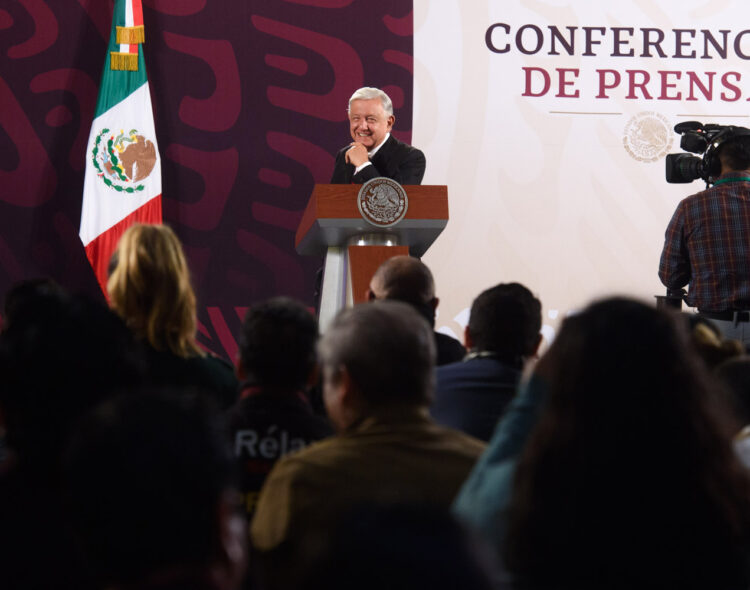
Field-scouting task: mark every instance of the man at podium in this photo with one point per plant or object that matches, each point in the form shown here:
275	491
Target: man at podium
374	151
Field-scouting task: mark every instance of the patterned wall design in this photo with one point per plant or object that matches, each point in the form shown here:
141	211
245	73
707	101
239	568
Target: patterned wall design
249	100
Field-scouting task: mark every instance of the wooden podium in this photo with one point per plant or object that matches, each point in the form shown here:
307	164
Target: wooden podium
332	226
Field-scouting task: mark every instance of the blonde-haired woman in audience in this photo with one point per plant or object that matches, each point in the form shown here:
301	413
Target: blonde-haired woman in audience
149	287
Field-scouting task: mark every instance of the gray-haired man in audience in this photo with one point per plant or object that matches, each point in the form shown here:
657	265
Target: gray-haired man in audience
378	378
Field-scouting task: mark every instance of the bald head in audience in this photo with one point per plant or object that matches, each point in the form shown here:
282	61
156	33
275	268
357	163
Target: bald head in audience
404	278
407	279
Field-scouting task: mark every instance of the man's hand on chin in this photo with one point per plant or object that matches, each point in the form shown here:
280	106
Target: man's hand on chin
357	154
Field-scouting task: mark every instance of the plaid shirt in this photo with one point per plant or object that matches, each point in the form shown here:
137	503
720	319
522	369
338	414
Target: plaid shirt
707	244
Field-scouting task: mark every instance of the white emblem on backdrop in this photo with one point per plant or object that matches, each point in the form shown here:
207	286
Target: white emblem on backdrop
648	136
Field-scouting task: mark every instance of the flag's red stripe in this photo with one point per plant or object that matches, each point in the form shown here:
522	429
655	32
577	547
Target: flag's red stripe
137	13
137	20
100	249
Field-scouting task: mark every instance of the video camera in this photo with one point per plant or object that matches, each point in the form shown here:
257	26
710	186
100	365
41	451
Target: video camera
698	138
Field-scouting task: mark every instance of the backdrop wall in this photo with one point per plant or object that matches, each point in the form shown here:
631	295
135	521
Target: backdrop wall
549	121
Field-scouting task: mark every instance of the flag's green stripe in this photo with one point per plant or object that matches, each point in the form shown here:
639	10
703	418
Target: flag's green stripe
117	85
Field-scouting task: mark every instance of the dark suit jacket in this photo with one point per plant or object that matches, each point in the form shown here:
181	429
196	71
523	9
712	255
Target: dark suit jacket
449	350
472	395
395	160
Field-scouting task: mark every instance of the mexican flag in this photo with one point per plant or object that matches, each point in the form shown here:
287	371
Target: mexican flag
122	185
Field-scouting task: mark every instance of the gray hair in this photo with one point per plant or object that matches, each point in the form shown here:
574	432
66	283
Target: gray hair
388	350
368	93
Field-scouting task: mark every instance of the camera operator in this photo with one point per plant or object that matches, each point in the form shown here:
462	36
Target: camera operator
707	242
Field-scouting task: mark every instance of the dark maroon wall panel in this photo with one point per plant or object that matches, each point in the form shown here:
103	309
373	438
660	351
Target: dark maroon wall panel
250	106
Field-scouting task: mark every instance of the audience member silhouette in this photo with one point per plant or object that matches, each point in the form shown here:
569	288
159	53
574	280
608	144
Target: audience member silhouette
709	342
59	356
149	287
398	547
503	332
150	482
407	279
628	478
378	377
25	294
276	366
734	375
